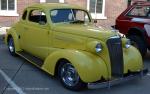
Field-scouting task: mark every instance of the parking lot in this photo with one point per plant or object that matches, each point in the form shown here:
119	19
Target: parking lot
19	76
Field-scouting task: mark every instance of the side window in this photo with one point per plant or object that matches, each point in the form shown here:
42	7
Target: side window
140	11
61	15
37	16
24	15
81	15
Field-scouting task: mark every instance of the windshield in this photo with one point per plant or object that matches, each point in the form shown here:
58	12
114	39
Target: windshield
69	16
140	11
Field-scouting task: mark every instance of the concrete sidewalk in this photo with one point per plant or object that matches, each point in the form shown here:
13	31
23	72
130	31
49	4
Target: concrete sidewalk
3	31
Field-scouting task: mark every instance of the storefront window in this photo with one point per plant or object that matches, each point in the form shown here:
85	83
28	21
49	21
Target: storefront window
97	8
8	8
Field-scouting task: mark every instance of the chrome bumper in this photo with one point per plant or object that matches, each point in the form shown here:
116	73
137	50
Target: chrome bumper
110	83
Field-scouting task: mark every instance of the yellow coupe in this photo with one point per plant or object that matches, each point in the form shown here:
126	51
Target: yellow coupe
62	40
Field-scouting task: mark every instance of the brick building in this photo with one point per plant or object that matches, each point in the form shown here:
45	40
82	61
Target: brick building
105	11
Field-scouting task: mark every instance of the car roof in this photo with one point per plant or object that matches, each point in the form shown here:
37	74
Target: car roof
55	6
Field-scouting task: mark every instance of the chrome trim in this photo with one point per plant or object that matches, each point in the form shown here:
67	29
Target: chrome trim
114	37
110	83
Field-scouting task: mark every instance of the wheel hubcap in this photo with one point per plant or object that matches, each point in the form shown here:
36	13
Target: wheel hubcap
11	46
69	75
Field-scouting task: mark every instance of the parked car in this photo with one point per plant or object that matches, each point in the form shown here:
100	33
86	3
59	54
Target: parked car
134	22
62	40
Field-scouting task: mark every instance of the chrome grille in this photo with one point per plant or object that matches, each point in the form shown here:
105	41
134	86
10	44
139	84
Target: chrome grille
116	56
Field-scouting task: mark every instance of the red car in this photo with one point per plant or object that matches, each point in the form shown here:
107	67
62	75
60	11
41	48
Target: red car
134	22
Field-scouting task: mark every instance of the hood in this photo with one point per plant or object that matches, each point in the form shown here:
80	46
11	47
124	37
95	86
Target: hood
85	30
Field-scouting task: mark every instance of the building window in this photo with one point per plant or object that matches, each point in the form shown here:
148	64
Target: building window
96	8
8	8
52	1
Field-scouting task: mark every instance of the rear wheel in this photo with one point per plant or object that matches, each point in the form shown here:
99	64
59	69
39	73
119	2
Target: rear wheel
139	43
11	46
69	76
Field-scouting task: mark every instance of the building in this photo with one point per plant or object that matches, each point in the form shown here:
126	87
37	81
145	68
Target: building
105	11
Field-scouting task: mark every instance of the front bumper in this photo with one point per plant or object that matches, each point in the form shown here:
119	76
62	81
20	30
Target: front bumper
116	81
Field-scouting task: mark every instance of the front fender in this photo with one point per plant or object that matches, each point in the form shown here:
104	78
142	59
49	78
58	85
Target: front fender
12	32
132	60
89	66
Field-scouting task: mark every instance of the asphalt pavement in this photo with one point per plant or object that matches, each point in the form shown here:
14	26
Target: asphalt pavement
18	76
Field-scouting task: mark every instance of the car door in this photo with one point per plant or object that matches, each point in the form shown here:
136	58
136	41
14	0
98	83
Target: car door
36	34
21	29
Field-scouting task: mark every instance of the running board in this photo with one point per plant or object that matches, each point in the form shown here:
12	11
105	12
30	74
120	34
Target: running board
36	61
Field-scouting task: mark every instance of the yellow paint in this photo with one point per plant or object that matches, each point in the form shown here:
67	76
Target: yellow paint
74	42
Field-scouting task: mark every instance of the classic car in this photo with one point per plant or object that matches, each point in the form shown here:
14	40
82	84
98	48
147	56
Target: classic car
62	40
134	22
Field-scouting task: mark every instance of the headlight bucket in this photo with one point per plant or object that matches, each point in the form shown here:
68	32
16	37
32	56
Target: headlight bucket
94	47
128	44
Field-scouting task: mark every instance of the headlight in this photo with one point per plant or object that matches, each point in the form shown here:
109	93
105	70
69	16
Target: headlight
94	47
98	48
128	44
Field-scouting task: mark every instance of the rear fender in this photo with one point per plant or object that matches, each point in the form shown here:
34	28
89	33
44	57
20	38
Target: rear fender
12	33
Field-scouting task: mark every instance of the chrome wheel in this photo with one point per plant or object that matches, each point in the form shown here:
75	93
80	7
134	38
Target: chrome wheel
11	47
69	75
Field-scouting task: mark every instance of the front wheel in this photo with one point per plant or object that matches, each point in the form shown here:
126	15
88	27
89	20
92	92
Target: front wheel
11	46
139	43
69	77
